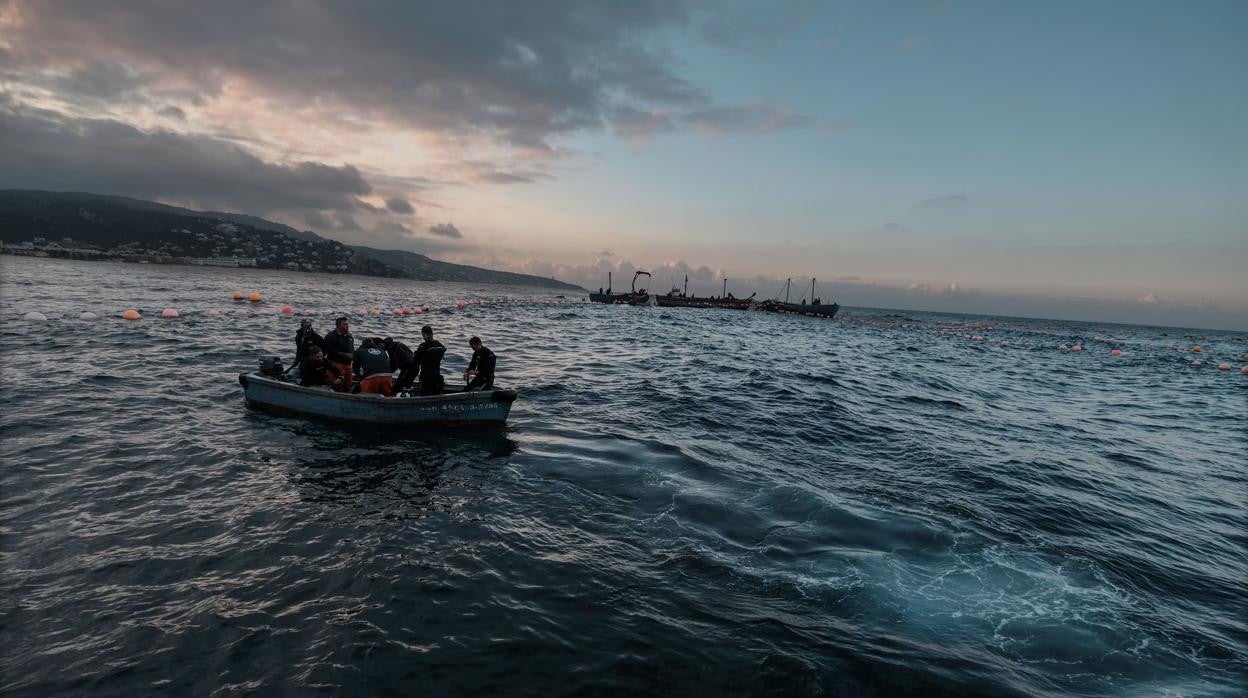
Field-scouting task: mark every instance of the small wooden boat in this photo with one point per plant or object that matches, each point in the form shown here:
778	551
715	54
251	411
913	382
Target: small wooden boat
486	407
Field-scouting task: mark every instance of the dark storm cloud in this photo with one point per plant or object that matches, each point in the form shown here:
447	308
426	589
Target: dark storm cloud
519	72
42	149
398	204
446	230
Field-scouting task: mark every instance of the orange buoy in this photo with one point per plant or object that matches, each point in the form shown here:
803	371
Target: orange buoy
169	313
254	297
238	296
131	314
1116	352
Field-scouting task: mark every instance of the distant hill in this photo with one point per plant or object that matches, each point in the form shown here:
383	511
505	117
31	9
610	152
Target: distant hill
121	227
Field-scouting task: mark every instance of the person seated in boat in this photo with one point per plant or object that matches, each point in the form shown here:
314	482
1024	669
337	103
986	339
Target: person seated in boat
316	370
373	366
403	360
339	347
803	301
480	373
428	361
306	337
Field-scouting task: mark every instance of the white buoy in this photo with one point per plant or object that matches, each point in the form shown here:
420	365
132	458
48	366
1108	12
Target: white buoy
214	313
35	316
89	316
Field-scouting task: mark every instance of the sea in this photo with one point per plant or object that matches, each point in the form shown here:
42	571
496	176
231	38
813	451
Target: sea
683	502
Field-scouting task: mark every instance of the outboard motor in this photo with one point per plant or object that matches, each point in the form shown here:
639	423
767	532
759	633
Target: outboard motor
271	366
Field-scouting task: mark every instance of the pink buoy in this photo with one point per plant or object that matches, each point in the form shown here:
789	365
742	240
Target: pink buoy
361	312
1244	370
287	310
214	313
398	311
461	304
1224	367
1077	347
169	313
1116	352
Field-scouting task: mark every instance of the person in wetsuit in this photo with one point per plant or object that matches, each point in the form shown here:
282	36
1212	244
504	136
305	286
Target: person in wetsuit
316	370
339	346
480	373
373	366
428	361
304	338
403	360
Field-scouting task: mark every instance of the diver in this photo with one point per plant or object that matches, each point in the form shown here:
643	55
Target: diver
428	361
480	373
303	338
403	360
373	366
339	346
316	371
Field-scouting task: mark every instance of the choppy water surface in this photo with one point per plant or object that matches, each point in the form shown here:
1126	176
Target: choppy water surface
684	502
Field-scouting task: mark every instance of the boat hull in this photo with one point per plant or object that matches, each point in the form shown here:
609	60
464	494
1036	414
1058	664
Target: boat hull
450	409
824	310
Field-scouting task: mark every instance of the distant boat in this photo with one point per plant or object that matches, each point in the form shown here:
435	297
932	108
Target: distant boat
635	297
678	298
486	407
815	308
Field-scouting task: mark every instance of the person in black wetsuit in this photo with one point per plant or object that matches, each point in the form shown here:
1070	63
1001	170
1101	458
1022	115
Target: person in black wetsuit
403	360
304	338
373	367
339	346
428	361
315	370
480	373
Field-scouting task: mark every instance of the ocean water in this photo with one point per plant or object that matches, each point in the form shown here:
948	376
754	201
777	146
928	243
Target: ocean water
685	502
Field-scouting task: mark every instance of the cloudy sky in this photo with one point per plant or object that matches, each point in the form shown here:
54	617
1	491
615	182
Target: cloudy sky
1083	160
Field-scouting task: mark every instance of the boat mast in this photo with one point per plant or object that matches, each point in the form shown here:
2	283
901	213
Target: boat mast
608	282
787	284
725	288
686	291
812	290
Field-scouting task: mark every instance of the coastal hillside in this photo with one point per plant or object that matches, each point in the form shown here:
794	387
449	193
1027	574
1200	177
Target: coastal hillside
92	226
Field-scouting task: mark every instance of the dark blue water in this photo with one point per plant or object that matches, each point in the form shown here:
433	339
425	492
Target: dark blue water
684	502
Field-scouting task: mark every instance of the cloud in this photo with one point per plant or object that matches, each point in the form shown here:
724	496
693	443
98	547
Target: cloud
519	74
942	204
759	117
172	112
46	150
398	204
446	230
755	27
1150	299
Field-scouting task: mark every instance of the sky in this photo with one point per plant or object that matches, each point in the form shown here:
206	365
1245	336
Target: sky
1064	159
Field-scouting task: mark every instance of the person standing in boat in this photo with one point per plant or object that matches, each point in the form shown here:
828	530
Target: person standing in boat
339	346
403	360
480	373
428	361
305	338
316	370
373	366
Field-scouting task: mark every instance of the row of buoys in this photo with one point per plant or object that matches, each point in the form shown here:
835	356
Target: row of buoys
253	296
